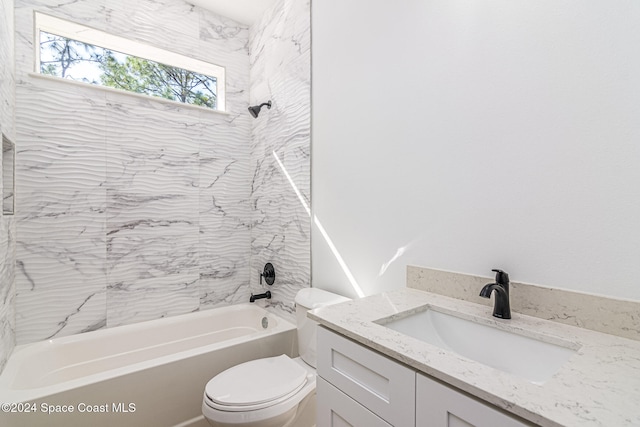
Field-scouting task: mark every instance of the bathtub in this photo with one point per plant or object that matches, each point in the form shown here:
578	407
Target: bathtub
146	374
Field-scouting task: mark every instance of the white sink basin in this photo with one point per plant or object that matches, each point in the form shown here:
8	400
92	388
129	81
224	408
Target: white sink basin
529	358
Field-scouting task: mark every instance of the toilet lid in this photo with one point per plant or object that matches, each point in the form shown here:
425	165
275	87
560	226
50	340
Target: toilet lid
256	382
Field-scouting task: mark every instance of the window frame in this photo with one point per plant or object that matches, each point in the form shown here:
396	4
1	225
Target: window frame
82	33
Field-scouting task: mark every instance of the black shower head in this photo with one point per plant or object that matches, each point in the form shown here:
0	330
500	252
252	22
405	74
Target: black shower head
255	110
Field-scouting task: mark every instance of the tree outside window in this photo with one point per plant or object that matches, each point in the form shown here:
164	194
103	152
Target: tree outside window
71	59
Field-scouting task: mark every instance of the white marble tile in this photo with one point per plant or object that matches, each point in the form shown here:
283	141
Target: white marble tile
5	263
151	236
7	73
225	136
7	180
144	254
62	214
62	140
7	288
60	210
59	311
137	168
156	153
23	42
280	149
154	22
283	240
7	331
226	36
7	223
224	193
225	42
91	13
150	299
224	273
224	238
42	265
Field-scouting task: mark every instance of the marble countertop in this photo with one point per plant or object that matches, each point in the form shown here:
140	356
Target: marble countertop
598	386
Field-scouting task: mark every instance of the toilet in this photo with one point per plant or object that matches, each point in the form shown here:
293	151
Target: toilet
273	391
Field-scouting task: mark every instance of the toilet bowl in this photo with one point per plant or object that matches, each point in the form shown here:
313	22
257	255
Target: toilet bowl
277	387
274	391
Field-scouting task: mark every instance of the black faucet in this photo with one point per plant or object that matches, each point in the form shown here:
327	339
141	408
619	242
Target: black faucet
501	308
253	297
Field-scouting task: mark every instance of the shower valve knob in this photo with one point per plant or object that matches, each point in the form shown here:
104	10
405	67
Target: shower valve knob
269	274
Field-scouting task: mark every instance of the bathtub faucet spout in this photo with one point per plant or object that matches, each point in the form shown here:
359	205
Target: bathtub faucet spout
253	297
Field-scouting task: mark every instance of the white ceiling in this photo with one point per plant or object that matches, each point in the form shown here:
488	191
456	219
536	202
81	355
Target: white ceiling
244	11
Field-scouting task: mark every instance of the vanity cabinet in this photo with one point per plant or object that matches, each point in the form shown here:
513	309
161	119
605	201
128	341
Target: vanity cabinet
439	405
359	387
336	409
379	384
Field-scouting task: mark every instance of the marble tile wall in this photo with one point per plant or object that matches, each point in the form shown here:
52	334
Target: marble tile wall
8	183
130	209
7	70
7	222
280	189
7	289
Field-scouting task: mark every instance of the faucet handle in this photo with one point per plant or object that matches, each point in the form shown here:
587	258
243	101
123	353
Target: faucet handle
269	274
502	278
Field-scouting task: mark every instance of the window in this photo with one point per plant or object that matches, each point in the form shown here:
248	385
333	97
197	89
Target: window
72	51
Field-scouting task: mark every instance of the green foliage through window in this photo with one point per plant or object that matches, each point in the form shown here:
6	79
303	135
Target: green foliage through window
71	59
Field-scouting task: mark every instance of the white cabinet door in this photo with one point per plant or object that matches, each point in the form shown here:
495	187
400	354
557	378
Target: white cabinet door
438	405
380	384
336	409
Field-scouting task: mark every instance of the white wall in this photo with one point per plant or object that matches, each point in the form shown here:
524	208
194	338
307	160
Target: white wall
468	135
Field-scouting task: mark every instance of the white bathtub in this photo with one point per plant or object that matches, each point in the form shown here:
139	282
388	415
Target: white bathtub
147	374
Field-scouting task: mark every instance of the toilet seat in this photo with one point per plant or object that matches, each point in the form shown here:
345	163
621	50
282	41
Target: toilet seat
273	413
255	384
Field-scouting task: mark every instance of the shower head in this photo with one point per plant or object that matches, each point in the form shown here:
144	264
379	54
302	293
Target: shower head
255	110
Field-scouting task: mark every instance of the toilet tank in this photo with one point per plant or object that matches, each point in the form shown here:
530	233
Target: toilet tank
308	299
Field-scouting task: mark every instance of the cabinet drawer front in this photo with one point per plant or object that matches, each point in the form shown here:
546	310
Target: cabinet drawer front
441	406
383	386
336	409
